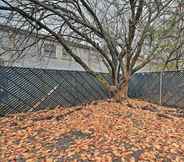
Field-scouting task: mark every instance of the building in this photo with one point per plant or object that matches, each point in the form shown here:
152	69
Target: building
43	52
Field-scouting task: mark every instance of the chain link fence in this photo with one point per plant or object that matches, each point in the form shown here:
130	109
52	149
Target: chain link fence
164	88
26	89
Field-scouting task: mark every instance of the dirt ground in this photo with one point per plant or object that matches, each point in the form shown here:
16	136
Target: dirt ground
102	131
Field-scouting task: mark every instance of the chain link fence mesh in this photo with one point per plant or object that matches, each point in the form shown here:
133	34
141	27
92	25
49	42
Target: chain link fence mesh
26	89
165	88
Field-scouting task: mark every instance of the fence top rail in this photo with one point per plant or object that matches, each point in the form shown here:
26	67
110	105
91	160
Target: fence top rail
165	71
35	68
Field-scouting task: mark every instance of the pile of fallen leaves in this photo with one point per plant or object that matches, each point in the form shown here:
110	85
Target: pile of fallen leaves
100	132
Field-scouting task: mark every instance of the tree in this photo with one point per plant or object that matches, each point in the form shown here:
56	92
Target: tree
174	59
121	31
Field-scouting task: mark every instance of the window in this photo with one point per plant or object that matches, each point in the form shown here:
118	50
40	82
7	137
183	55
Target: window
65	55
4	41
1	62
12	39
49	50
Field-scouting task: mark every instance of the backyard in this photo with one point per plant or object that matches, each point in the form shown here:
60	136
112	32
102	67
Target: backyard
91	81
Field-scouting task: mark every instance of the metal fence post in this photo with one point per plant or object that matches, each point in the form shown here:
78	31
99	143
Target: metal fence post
161	80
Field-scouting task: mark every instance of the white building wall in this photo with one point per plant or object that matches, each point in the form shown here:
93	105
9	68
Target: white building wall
35	57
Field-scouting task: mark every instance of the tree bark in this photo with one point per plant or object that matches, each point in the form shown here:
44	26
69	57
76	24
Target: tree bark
121	92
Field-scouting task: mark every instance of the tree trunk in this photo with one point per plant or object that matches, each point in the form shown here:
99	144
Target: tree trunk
121	92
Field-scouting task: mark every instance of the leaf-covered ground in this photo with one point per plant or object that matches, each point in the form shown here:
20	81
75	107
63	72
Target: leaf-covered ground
99	132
